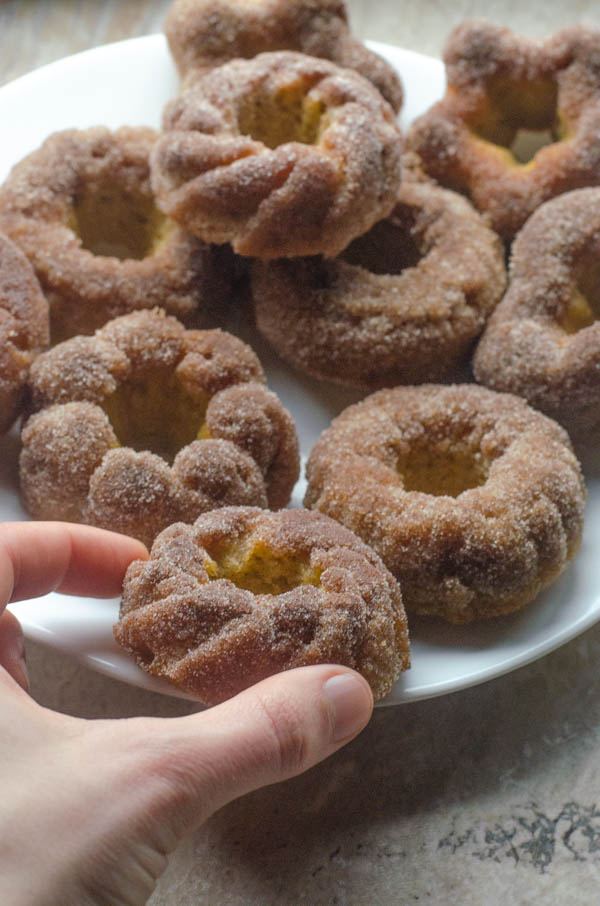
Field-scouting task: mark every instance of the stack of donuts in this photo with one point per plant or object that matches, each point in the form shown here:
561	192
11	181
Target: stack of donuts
280	176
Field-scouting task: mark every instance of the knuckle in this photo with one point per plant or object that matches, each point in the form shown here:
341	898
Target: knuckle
288	734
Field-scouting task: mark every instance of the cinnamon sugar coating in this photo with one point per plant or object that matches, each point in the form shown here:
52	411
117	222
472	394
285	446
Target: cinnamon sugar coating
402	304
473	500
242	594
281	155
500	84
23	328
146	423
543	341
203	34
82	209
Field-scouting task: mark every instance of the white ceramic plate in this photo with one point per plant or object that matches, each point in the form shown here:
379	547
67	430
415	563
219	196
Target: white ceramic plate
128	83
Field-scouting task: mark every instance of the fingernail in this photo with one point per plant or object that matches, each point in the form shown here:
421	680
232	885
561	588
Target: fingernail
23	680
351	702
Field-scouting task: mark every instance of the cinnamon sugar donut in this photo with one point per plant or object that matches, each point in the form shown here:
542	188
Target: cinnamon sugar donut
472	499
23	328
82	210
506	96
203	34
280	155
543	341
402	304
244	593
145	424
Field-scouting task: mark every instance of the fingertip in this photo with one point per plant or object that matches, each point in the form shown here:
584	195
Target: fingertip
350	699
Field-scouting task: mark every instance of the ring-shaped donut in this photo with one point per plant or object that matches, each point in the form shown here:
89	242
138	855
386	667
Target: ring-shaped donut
543	340
472	499
506	95
281	155
82	210
203	34
245	593
401	305
145	424
24	329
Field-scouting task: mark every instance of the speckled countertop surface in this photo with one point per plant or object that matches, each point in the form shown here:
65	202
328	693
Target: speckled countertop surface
484	797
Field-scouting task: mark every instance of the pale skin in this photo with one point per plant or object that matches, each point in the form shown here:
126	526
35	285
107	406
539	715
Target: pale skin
92	808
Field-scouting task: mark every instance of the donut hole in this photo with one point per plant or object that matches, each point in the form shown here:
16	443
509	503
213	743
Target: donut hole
261	570
583	307
521	117
288	115
390	246
443	472
155	414
113	222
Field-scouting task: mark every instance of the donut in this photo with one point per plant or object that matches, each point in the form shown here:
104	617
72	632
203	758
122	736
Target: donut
506	96
543	341
243	593
82	210
203	34
472	499
402	304
23	328
281	155
145	424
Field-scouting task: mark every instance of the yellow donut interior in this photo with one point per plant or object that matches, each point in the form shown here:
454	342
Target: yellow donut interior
390	246
113	222
286	115
520	117
256	567
157	414
583	307
443	470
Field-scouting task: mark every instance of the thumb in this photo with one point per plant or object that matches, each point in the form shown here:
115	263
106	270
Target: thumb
271	731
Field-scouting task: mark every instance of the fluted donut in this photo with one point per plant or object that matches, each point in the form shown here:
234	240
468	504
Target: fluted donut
145	423
243	593
281	155
203	34
498	85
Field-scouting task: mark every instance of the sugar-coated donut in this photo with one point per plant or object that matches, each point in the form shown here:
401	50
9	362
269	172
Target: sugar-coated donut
281	155
24	328
82	210
203	34
145	424
506	96
472	499
243	593
543	341
402	304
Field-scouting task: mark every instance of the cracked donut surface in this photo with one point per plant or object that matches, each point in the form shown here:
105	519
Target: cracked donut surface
146	423
472	499
243	593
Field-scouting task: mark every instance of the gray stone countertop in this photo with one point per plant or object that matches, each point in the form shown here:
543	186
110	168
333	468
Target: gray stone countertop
484	797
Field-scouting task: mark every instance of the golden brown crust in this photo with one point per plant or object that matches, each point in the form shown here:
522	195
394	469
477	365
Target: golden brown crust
498	83
193	614
280	155
543	341
23	328
203	34
403	304
58	195
116	408
472	499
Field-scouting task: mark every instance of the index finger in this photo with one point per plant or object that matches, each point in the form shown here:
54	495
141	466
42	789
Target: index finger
38	557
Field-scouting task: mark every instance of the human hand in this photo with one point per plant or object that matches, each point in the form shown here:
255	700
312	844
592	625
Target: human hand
91	809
